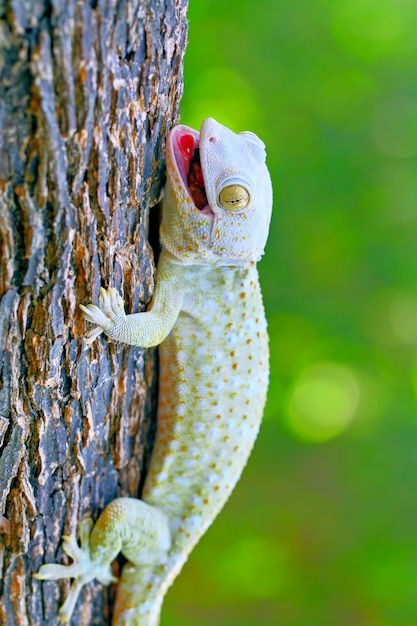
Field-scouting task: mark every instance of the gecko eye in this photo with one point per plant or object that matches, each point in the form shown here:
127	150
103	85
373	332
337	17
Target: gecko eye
234	197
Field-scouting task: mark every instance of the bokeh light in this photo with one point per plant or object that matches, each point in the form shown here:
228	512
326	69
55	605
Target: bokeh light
323	401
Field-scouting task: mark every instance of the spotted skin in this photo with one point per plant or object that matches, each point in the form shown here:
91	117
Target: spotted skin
208	317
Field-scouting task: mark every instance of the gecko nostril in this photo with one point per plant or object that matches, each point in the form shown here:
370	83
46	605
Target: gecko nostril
212	140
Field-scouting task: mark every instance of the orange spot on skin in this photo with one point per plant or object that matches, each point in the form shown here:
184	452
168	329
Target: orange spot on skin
232	353
236	448
248	341
242	295
205	501
216	488
218	417
234	366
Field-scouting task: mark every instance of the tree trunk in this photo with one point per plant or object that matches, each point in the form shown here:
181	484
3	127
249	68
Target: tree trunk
89	91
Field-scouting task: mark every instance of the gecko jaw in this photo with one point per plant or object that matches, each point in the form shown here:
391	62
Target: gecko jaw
186	151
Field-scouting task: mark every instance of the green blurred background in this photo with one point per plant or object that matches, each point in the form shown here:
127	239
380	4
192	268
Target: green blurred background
322	528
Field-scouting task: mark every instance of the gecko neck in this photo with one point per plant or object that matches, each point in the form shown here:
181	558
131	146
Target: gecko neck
208	260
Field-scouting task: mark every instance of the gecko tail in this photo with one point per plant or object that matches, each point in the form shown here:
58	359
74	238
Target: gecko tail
142	588
138	600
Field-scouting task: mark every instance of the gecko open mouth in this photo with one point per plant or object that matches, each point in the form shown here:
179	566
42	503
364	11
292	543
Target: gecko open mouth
187	154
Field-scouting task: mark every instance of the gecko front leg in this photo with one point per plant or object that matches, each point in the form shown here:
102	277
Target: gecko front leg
139	329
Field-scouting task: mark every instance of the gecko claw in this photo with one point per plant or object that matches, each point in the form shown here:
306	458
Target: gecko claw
110	302
94	314
67	609
92	335
106	315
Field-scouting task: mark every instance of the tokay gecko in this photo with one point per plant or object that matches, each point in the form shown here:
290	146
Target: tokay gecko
208	316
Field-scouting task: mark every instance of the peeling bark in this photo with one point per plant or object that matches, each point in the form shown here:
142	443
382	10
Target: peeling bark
89	91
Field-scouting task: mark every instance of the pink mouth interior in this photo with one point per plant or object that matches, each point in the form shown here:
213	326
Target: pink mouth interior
187	154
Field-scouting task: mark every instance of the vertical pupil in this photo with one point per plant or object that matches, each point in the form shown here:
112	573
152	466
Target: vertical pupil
234	196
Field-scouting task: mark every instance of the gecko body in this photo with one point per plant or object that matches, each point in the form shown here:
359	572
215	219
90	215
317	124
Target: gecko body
208	317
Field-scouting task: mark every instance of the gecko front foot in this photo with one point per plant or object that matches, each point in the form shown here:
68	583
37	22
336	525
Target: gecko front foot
108	315
83	569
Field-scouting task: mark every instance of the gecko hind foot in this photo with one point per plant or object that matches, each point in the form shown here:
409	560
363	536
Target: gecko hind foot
82	569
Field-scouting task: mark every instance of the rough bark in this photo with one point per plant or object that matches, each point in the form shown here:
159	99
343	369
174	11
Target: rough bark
89	91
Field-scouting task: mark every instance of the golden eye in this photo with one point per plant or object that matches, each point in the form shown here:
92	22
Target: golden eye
234	197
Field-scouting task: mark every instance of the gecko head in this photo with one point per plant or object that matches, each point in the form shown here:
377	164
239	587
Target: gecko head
218	197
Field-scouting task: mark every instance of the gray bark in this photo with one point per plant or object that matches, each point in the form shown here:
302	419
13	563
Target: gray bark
89	91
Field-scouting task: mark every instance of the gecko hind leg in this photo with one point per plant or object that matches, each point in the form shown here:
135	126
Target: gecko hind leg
138	530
